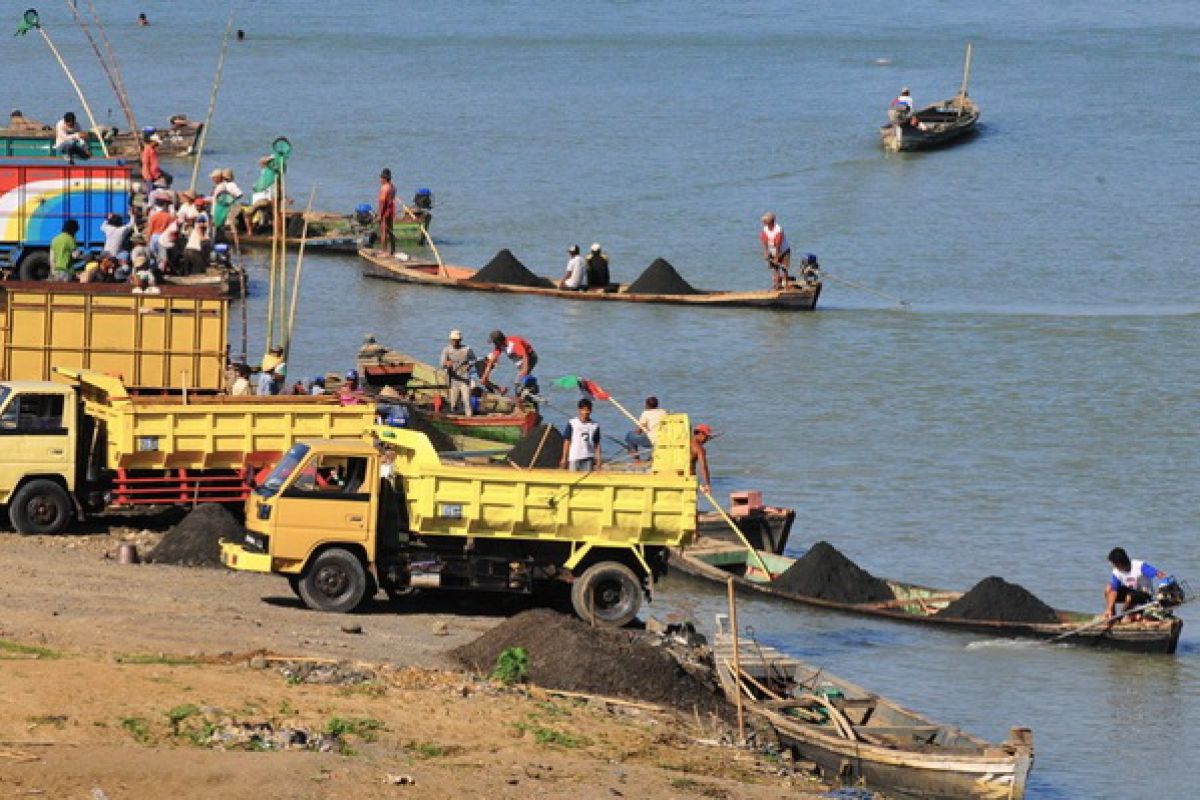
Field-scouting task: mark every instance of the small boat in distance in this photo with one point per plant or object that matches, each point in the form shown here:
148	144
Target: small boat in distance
934	125
855	737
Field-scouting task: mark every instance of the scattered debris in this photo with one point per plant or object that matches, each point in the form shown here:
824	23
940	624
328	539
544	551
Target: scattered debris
997	599
196	540
351	627
824	572
400	780
326	673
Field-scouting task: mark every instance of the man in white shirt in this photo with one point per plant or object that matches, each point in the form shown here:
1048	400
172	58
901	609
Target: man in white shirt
581	441
647	429
68	140
576	275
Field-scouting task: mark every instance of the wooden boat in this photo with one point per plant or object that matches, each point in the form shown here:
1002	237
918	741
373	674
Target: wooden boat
229	282
420	387
934	125
800	297
717	561
335	233
853	736
179	138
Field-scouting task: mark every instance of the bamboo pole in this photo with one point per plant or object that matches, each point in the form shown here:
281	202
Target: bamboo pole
962	92
78	92
272	272
282	302
287	346
104	64
737	659
425	233
237	252
112	60
729	521
212	102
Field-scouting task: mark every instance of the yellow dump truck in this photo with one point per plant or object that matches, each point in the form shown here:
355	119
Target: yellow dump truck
343	519
176	339
83	443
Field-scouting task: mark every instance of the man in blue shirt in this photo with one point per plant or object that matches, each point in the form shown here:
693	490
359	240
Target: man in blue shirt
1132	583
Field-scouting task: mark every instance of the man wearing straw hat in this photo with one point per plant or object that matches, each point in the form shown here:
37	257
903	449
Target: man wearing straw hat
458	360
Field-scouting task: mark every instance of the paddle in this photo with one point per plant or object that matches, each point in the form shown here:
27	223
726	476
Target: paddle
1105	621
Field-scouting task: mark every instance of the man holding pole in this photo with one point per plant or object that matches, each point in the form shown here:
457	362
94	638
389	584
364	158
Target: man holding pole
387	211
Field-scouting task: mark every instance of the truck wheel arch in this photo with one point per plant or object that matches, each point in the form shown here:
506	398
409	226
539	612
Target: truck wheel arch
608	592
34	265
336	579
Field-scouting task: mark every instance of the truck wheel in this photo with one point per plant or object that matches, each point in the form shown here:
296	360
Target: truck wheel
294	582
40	507
35	266
608	592
335	581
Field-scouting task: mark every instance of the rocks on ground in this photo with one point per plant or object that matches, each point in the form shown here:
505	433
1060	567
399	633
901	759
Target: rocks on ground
825	573
994	598
566	653
196	540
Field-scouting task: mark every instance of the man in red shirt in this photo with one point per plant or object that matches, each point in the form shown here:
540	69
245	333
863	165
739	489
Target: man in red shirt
152	172
516	348
387	211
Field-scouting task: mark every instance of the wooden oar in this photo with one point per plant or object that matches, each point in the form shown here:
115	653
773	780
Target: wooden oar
1105	621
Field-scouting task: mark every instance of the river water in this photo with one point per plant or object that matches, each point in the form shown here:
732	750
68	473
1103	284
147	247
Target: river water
1032	408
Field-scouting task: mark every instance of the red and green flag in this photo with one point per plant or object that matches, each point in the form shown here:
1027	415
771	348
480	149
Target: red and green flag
590	388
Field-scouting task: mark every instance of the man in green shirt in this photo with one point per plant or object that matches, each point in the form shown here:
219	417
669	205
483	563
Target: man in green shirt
61	248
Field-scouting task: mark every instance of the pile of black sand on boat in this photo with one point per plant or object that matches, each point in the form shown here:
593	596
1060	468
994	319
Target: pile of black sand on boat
567	653
996	599
541	447
196	540
506	268
825	573
661	278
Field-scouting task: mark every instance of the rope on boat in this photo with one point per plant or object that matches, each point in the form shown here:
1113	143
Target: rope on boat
898	300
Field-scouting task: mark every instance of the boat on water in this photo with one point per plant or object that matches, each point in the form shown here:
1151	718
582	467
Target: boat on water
934	125
800	296
33	139
336	233
421	389
718	560
855	737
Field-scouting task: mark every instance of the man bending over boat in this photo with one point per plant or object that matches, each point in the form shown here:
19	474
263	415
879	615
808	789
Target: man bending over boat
1132	583
517	349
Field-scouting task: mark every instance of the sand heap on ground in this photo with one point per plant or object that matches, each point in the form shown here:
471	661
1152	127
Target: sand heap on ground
824	572
531	444
996	599
196	540
566	653
661	278
506	268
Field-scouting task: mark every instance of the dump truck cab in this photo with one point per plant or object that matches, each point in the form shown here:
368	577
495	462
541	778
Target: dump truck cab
342	519
39	438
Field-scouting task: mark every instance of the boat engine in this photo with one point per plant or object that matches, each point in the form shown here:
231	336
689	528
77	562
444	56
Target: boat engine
363	214
1169	594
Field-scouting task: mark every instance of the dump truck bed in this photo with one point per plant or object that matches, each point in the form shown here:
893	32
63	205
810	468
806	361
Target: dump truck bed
208	432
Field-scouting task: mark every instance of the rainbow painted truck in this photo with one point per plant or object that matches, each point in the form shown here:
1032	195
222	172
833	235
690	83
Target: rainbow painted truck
37	195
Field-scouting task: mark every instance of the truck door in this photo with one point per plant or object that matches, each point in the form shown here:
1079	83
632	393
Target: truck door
329	500
35	438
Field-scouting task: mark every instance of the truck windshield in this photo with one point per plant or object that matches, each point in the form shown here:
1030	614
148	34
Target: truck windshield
283	470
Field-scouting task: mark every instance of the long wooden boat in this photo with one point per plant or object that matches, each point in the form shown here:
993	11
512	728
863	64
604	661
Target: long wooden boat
334	233
228	282
30	141
854	737
801	297
717	561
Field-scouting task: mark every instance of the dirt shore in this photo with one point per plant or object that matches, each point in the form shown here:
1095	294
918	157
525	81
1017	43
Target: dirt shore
147	681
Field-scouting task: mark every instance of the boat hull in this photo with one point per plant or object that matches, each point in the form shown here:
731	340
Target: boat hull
943	124
382	265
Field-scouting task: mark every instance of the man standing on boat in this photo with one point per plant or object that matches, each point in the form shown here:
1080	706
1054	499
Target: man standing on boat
517	349
458	360
387	212
1132	583
152	171
776	250
701	435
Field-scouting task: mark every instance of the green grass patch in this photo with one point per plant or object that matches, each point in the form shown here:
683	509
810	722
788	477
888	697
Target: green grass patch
16	650
512	666
177	715
161	659
551	737
364	728
138	728
49	720
431	750
684	783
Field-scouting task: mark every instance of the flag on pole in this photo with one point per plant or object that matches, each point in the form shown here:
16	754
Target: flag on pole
590	388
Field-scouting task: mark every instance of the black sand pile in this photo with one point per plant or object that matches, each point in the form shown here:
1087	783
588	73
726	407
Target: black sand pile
661	278
997	599
824	572
506	268
196	540
567	653
524	451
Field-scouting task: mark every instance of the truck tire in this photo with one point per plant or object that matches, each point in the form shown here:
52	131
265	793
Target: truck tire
40	506
608	592
335	581
35	266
